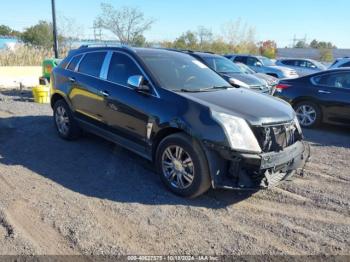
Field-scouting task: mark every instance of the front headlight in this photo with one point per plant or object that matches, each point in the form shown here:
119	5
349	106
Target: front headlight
238	132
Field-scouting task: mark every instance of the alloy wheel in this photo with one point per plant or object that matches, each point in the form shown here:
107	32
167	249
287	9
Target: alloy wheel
178	167
62	120
306	115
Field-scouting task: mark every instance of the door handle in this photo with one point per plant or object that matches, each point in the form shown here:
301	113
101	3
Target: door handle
72	79
104	93
324	92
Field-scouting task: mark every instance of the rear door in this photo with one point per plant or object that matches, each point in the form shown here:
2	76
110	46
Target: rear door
333	91
86	96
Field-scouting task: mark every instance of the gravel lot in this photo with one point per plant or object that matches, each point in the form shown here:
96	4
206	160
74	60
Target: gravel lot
93	197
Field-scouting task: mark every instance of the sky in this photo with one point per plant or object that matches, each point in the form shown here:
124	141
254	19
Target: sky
278	20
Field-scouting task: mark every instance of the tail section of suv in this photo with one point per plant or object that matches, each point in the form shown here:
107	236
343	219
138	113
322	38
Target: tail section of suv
341	63
261	64
176	112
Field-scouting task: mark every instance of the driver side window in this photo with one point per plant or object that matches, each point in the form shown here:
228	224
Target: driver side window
252	61
121	68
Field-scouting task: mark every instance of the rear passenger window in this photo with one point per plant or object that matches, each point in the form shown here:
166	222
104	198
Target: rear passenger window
92	63
121	68
74	62
241	59
346	65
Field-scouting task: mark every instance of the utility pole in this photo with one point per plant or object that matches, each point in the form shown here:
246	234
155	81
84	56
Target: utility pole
55	41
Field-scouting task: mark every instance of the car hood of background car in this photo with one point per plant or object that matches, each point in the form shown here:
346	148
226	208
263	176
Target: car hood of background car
270	79
250	80
281	68
256	109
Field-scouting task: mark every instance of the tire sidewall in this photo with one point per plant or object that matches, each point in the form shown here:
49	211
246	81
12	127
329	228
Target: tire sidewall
201	174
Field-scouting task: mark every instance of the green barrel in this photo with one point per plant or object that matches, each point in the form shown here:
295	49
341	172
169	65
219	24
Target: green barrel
48	66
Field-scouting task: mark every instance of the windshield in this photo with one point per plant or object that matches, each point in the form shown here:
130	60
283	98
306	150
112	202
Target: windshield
221	65
245	69
266	61
177	71
320	65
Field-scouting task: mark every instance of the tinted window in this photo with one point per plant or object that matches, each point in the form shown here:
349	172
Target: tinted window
241	59
92	63
74	62
346	65
178	71
288	62
221	65
338	80
252	61
121	68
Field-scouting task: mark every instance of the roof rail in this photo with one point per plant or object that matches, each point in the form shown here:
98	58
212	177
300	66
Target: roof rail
102	45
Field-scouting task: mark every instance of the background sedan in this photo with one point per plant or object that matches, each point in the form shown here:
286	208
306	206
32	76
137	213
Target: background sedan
317	98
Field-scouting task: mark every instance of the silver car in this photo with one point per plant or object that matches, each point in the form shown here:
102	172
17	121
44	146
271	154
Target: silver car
302	66
261	64
340	63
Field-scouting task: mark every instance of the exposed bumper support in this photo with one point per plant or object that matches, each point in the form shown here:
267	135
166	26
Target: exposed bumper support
256	171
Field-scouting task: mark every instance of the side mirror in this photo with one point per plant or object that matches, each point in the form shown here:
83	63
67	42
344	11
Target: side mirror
137	82
258	64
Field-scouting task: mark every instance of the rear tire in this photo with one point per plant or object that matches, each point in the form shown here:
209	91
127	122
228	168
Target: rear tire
66	126
309	114
183	166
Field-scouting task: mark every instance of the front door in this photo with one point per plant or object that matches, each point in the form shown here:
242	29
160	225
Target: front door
127	111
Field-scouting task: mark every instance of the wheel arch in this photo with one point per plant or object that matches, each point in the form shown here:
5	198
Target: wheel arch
59	96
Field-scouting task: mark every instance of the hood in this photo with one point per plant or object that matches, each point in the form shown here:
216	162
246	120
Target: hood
281	68
269	79
250	80
256	109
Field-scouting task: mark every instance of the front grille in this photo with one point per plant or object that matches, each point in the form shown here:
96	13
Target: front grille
275	138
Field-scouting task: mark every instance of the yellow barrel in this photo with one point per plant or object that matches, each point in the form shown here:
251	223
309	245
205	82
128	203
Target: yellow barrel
41	94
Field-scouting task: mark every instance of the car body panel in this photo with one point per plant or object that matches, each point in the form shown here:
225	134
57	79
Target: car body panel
138	120
334	102
302	66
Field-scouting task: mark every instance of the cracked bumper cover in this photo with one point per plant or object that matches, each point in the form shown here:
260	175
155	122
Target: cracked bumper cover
273	167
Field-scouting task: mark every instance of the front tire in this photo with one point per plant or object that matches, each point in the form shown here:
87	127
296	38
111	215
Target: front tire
183	166
309	114
66	126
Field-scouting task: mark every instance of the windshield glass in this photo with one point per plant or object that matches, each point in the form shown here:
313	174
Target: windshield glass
320	65
222	65
177	71
266	61
245	69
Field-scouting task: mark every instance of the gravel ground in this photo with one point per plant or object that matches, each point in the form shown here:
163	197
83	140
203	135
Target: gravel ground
93	197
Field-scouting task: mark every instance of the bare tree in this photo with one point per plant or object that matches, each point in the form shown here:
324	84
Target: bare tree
205	35
69	30
127	23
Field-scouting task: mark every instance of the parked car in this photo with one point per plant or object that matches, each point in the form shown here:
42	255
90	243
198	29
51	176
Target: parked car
341	63
264	65
173	110
232	73
302	66
319	98
271	81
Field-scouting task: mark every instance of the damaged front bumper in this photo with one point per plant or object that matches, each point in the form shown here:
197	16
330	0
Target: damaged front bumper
257	171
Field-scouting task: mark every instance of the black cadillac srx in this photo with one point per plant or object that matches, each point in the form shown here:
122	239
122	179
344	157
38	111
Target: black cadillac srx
173	110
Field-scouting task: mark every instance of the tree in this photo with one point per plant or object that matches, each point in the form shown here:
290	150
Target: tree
127	24
321	45
301	44
39	35
268	48
7	31
314	44
326	55
69	31
205	35
187	40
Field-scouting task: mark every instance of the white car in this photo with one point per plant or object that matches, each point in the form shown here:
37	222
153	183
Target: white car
341	63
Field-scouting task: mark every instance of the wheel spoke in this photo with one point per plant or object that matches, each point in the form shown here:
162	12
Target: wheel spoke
178	153
188	177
